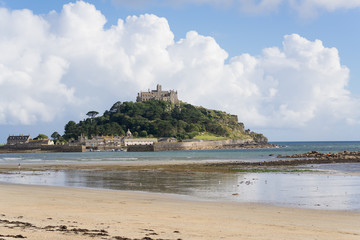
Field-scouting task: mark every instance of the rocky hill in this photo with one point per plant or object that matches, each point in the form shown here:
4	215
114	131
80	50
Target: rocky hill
162	119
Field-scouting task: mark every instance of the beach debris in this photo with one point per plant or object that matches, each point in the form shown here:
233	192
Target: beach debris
13	236
68	230
152	232
62	228
14	224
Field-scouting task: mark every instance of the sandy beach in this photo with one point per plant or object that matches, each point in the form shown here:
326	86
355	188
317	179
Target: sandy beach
41	212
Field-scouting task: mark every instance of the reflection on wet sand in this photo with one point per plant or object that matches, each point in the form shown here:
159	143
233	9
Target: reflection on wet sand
320	191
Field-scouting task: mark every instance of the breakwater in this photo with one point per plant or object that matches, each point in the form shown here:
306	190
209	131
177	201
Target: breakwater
198	145
19	148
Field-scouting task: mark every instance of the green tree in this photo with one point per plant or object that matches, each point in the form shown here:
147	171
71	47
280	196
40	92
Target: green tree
41	136
55	135
143	133
71	131
92	114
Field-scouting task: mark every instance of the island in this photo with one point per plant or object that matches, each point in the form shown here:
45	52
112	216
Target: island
157	121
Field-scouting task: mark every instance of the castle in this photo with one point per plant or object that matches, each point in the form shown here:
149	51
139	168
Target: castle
158	94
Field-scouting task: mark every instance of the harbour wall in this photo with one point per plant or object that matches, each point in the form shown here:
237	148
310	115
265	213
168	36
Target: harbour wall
199	145
18	148
196	145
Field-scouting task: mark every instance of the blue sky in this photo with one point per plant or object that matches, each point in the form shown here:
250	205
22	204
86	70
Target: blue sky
288	69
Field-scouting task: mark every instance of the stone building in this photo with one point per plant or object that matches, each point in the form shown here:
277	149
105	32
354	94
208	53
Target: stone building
139	141
112	142
158	94
39	142
101	142
21	139
27	141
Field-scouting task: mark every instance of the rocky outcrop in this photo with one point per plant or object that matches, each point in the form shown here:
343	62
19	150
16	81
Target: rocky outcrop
325	156
313	157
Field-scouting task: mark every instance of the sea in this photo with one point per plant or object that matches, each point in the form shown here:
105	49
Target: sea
330	186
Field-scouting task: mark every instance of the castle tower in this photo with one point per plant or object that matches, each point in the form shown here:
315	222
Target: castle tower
158	94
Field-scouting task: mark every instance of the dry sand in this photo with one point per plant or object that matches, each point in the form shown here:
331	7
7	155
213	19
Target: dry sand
40	212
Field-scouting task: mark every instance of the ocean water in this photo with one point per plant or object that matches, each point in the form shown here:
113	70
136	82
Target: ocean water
285	148
336	188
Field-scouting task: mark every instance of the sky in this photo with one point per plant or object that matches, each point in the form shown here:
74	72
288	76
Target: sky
288	68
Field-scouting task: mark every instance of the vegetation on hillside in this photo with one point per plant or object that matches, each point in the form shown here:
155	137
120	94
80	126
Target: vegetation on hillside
41	136
161	119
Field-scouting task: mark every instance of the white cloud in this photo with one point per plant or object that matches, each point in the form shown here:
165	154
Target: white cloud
305	8
51	68
310	8
30	78
286	87
174	3
295	84
329	5
258	7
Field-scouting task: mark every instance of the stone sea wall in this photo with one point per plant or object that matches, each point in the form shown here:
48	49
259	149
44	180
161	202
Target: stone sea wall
140	148
196	145
63	148
18	148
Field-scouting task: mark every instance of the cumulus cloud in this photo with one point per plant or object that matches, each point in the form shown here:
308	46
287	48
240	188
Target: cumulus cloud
52	68
285	87
30	77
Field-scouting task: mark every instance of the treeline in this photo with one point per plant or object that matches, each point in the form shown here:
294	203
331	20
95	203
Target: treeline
159	119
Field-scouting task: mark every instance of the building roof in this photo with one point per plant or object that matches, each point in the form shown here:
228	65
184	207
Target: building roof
13	137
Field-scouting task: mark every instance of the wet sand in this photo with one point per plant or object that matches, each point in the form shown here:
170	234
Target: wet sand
297	161
175	166
40	212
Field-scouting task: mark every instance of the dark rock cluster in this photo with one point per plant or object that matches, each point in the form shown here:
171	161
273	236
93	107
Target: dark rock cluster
325	156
